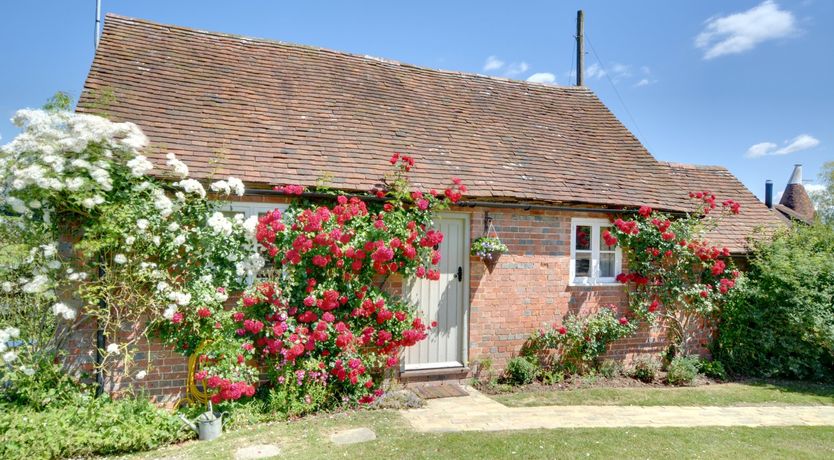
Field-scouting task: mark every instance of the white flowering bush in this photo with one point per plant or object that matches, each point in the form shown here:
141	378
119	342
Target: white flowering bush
83	223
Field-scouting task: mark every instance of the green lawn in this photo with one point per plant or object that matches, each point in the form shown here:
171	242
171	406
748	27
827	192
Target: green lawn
308	439
727	394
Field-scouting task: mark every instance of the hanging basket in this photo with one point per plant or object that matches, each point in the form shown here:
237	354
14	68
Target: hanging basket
488	249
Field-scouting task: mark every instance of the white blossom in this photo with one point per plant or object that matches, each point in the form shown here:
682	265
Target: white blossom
37	285
9	357
141	375
169	312
179	240
192	186
28	371
220	186
61	309
236	186
251	226
162	203
179	168
74	183
17	205
180	298
113	348
139	166
142	224
220	224
120	259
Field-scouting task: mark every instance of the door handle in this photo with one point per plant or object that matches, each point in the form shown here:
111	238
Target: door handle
460	274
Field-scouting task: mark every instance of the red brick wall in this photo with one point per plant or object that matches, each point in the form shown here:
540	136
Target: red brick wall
527	289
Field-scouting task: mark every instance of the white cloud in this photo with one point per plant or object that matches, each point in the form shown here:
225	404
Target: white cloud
740	32
542	77
647	77
516	68
594	71
493	63
797	144
761	149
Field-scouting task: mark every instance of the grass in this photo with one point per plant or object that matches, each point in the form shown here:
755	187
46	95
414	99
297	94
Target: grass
727	394
308	439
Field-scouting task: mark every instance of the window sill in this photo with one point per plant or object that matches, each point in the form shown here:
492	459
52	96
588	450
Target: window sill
596	284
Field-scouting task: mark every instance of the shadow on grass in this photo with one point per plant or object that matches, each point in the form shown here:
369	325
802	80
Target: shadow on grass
821	389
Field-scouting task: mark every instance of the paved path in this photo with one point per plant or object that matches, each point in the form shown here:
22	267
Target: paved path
478	412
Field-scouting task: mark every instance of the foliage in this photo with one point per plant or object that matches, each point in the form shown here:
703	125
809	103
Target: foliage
824	199
521	371
713	369
781	322
325	327
86	427
85	224
645	369
580	340
610	369
674	275
484	246
682	370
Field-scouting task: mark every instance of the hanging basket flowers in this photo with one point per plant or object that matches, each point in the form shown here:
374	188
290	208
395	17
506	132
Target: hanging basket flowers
488	248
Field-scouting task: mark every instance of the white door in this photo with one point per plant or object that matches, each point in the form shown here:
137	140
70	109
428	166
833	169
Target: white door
444	300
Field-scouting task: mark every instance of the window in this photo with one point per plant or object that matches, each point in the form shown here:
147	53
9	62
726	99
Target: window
230	209
592	262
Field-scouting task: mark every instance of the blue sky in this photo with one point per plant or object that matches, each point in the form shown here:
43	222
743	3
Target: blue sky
747	84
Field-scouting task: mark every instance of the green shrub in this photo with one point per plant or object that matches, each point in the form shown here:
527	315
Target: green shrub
521	371
579	341
713	369
610	369
552	376
780	323
682	370
85	428
645	369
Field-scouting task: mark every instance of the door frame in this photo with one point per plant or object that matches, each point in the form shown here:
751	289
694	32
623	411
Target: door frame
464	333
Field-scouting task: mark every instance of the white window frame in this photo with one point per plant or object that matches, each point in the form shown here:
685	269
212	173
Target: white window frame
248	208
593	280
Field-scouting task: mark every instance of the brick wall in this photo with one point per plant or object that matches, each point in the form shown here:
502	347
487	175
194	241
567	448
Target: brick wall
527	289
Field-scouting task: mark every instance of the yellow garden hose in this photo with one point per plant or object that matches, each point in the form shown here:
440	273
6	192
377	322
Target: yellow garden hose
193	393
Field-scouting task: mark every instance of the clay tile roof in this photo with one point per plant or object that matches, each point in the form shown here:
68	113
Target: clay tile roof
277	113
754	218
796	203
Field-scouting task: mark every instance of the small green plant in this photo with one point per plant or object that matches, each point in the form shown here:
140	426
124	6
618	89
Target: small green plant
645	369
713	369
551	376
610	369
682	370
487	246
579	341
521	371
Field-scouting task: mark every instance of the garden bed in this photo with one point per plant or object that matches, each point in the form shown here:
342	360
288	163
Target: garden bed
628	391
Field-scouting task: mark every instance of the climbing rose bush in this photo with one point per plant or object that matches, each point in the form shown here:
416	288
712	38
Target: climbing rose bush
83	223
327	325
675	276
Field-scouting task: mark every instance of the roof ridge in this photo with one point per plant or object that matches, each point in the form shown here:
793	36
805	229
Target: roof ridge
676	164
271	41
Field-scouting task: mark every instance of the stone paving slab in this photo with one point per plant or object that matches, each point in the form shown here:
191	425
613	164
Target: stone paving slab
477	412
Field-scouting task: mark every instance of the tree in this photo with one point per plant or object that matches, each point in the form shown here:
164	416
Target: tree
824	199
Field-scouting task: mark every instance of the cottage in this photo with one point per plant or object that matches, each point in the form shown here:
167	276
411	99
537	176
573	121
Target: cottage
541	162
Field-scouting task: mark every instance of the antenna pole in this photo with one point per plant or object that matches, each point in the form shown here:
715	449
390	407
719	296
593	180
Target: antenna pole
96	33
580	48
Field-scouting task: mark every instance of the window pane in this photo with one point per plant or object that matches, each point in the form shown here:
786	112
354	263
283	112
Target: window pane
583	264
606	264
602	245
583	237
